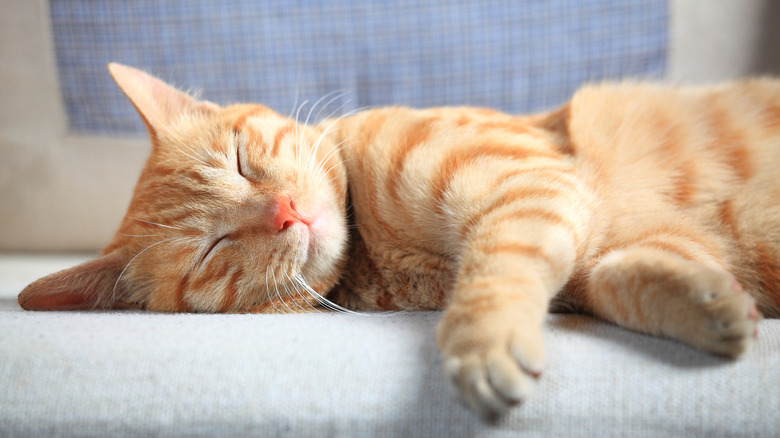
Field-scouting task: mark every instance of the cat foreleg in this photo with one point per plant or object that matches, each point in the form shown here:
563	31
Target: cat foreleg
491	333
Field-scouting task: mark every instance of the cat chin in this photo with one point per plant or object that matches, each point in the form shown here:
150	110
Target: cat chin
325	245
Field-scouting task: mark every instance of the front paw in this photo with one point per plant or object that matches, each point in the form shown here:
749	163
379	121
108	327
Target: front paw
491	361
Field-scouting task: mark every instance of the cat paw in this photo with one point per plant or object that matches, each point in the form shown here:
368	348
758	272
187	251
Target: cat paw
724	319
699	304
491	370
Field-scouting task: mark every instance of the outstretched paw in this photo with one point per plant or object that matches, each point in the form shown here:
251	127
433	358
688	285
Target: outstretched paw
491	366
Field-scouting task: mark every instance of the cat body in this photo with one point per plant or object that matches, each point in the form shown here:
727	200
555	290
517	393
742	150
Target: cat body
688	170
647	206
656	208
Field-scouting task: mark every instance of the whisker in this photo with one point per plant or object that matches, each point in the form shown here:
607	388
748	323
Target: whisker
320	172
324	133
298	292
341	94
276	288
337	110
295	103
322	300
289	294
268	290
297	137
288	309
308	116
336	149
194	158
116	283
181	142
311	110
141	235
327	130
308	139
333	306
155	223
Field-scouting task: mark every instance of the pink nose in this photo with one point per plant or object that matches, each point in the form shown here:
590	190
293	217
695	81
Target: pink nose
285	214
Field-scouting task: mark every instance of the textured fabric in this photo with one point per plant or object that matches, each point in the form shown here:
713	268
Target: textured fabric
142	374
515	56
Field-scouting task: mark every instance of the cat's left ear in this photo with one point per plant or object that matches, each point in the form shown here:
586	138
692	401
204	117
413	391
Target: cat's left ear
157	103
91	285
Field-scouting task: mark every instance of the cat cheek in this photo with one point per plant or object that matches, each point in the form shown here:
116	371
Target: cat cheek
320	225
317	235
325	235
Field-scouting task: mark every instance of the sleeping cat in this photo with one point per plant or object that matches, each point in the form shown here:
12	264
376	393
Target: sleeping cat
655	208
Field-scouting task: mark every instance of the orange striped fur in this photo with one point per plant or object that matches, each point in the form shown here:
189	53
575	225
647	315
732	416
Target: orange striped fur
652	207
656	208
237	209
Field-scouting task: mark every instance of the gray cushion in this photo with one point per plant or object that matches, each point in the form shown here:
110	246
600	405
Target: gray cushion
142	374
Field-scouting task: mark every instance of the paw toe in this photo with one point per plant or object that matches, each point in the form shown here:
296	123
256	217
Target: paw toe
493	380
508	379
733	324
471	382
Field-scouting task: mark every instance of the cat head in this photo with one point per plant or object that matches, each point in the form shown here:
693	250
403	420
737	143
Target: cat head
237	208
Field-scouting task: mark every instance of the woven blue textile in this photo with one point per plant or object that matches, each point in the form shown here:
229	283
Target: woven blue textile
518	56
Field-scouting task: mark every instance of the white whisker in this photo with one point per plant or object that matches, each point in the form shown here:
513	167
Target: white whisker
327	130
295	103
306	122
289	294
279	295
322	300
155	223
298	292
297	137
339	109
333	306
142	235
116	283
319	172
175	137
276	288
268	290
312	156
311	110
338	96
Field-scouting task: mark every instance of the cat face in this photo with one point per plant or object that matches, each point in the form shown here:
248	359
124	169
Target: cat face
237	209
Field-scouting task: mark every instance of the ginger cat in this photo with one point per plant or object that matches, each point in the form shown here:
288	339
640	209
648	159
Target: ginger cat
653	207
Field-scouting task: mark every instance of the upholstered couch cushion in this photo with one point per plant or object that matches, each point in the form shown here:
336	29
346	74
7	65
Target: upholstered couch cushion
145	374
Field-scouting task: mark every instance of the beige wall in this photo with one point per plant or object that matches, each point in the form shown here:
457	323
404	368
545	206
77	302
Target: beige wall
63	192
714	40
57	191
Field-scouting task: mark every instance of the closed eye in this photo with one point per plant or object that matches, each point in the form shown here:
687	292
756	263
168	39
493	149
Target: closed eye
213	249
238	162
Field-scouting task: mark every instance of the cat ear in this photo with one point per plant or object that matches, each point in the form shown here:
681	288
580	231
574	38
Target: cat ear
83	287
157	103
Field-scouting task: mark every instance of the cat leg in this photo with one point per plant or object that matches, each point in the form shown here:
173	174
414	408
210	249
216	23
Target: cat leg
491	334
657	291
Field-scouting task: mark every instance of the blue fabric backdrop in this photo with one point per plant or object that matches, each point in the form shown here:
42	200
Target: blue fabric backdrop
518	56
